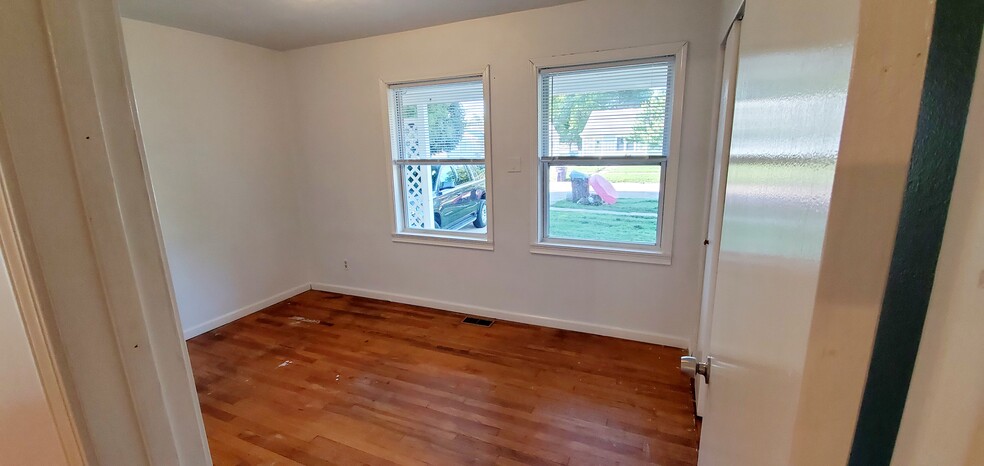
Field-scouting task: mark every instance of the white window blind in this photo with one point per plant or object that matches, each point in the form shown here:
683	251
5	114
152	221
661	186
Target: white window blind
439	121
586	110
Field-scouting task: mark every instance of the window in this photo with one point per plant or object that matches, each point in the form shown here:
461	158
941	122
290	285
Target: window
439	149
606	153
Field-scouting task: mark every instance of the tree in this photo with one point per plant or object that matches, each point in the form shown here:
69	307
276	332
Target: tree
569	114
651	129
446	125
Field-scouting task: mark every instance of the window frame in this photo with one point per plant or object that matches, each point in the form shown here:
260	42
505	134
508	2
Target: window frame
660	253
394	166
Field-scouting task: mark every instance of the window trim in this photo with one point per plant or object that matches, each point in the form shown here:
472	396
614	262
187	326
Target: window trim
400	234
660	253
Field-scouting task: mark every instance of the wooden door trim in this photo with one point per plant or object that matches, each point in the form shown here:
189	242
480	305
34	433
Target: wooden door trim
945	101
41	336
78	193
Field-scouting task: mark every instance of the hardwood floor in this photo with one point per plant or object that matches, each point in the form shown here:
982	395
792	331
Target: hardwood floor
324	378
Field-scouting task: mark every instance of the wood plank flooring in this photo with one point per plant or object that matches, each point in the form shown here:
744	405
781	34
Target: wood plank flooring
324	378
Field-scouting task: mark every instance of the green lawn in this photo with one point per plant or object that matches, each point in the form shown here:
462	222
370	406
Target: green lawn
622	174
601	227
648	206
589	224
632	174
595	226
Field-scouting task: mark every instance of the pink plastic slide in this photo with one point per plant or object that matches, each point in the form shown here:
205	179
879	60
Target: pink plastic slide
603	188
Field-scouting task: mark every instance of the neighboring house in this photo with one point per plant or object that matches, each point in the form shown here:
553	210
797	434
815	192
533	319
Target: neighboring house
607	132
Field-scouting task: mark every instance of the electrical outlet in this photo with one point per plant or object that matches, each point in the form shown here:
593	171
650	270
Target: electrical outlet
345	264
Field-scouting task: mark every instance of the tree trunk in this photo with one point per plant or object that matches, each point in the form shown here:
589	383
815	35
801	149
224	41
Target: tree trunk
579	188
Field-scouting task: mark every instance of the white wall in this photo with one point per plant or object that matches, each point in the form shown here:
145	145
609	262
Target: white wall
943	422
216	129
28	434
341	131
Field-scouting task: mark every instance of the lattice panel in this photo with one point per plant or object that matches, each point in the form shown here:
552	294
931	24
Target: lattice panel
416	178
416	196
411	140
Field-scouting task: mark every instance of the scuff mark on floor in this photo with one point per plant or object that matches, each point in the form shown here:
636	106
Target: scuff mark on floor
305	320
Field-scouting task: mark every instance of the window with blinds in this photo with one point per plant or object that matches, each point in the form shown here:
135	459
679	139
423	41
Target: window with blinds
438	139
604	147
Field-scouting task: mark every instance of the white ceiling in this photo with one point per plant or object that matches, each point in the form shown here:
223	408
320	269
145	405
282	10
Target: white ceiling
290	24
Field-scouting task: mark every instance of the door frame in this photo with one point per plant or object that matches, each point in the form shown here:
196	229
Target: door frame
885	123
28	298
945	103
94	290
718	179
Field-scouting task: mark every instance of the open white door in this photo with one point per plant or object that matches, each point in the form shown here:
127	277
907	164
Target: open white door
789	105
716	211
790	342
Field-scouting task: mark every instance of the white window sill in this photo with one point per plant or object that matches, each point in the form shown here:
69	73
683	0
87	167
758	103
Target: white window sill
601	252
444	240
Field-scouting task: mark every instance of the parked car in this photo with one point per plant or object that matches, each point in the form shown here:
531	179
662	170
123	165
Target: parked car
459	196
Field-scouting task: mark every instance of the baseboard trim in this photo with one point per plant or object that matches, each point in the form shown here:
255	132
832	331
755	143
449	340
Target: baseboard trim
596	329
244	311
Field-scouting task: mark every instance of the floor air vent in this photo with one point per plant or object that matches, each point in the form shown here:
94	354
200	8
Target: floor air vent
477	321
